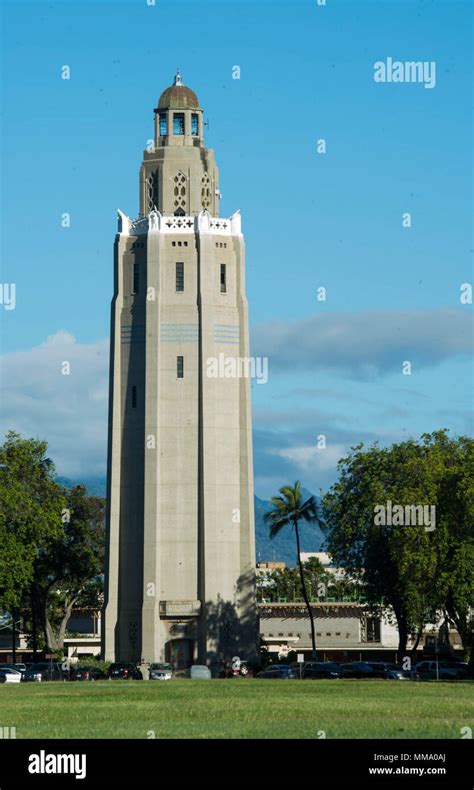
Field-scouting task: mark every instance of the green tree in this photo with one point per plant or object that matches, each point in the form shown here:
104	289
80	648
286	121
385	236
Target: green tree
455	536
68	566
289	510
409	568
317	579
31	505
286	582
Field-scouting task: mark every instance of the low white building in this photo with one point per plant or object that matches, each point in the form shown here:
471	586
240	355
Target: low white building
345	631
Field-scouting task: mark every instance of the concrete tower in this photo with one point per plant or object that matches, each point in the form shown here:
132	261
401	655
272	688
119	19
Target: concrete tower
180	521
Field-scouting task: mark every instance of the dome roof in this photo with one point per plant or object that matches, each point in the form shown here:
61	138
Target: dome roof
178	97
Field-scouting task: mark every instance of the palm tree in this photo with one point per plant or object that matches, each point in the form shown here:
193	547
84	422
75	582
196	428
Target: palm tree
289	509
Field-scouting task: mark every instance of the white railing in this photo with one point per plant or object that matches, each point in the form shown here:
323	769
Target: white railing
162	223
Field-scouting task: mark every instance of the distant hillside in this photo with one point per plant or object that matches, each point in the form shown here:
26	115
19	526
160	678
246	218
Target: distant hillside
280	549
283	547
96	486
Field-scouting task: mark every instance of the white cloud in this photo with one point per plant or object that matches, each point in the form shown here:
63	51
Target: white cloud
311	459
69	411
365	344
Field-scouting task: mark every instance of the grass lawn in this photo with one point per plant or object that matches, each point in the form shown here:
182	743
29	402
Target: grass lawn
238	709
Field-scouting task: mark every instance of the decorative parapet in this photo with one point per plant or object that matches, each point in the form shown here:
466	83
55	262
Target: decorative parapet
138	227
163	223
123	223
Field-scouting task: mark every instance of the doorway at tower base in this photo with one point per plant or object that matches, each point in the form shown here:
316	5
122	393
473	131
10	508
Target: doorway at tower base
179	653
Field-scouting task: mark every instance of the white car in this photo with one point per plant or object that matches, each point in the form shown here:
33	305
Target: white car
9	675
160	672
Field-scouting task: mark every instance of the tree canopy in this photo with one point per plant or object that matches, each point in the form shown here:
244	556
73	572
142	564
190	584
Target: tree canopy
31	506
51	539
421	570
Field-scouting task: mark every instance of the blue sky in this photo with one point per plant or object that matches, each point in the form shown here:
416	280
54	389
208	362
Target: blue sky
310	220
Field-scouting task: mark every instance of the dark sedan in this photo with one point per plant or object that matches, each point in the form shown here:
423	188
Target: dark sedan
45	670
279	672
87	673
391	671
427	670
361	670
320	670
122	671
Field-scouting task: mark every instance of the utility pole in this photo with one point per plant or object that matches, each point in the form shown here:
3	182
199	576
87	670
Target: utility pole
13	635
34	637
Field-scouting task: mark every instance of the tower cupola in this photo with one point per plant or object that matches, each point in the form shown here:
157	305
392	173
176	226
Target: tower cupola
178	116
179	174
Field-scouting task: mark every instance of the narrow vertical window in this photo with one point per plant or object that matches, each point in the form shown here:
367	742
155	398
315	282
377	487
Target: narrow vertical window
134	397
194	124
163	124
223	279
180	367
152	190
178	123
136	277
180	277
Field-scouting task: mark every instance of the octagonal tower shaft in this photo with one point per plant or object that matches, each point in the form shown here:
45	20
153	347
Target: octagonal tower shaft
180	577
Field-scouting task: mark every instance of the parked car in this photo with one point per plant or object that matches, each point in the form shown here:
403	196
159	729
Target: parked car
426	670
199	672
87	673
320	670
361	670
160	672
279	672
461	668
44	670
123	671
9	675
20	667
391	671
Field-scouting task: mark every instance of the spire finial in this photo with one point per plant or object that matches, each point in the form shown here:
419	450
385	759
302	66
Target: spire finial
178	80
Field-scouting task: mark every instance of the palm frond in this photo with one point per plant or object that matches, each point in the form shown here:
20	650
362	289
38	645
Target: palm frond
292	494
277	526
309	512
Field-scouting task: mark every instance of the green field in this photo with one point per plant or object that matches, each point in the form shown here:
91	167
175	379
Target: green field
238	709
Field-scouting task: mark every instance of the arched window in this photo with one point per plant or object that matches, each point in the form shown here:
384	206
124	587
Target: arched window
179	193
205	191
152	191
178	123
